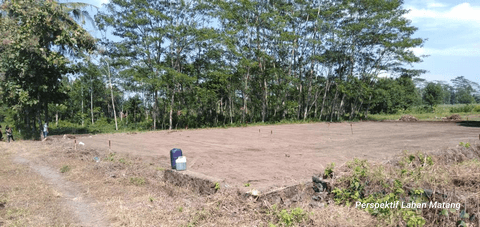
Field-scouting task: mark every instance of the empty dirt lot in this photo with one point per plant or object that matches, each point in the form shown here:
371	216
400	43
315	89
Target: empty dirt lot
268	157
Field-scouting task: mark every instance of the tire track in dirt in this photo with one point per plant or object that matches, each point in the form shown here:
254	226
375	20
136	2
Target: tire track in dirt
82	207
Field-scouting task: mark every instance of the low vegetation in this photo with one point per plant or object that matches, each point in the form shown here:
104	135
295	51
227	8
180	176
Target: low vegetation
450	177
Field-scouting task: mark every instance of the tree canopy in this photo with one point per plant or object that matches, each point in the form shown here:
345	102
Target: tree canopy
186	63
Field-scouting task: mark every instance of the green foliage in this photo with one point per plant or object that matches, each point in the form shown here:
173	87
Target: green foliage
36	38
329	170
110	157
464	108
64	169
138	181
393	95
288	218
372	185
433	94
476	109
217	186
247	185
466	145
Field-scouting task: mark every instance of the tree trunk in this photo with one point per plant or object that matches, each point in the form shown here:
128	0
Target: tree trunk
91	104
333	104
309	91
265	97
111	94
245	95
46	111
327	87
340	110
171	108
155	110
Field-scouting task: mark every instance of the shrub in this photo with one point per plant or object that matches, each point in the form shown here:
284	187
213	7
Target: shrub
138	181
462	109
65	169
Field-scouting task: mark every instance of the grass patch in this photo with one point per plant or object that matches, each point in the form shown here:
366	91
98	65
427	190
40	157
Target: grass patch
138	181
414	178
65	169
465	111
284	217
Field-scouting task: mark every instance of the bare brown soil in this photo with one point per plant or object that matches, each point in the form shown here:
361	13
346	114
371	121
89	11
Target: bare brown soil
269	157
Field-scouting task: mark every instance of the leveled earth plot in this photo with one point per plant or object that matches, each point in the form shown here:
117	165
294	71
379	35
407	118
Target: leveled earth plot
269	157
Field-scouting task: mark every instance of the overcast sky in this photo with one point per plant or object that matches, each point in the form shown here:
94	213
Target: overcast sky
453	32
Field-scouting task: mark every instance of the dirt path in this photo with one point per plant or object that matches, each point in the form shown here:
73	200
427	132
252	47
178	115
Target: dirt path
75	200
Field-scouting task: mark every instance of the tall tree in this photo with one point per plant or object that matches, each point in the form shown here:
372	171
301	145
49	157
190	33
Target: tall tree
37	36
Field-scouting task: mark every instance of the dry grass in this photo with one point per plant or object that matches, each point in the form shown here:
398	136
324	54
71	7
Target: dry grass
133	193
451	175
113	182
25	198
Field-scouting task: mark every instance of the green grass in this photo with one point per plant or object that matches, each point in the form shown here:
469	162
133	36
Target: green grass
138	181
65	169
436	115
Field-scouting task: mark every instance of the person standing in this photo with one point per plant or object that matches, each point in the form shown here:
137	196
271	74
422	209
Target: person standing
8	131
1	135
45	130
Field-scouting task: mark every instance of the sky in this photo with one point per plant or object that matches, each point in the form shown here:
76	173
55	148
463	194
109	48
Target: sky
452	30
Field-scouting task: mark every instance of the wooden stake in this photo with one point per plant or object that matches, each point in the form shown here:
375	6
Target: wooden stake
75	142
258	130
351	127
271	132
109	144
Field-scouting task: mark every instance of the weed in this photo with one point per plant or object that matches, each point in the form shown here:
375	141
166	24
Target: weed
64	169
160	169
247	185
329	170
217	186
288	218
151	199
361	188
122	160
466	145
110	157
138	181
180	209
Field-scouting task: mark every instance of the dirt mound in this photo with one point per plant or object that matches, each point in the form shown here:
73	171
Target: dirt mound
408	118
454	117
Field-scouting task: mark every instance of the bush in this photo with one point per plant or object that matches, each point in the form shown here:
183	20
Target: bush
65	169
476	109
462	109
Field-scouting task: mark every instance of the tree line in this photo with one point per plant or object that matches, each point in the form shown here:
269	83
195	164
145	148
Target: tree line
196	63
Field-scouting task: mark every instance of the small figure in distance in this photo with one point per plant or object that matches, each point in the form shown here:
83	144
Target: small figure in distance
8	131
1	135
45	130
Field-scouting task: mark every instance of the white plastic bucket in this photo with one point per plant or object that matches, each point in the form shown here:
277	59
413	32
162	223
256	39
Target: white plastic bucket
181	163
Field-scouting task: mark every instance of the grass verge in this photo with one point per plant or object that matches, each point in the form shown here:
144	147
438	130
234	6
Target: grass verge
437	189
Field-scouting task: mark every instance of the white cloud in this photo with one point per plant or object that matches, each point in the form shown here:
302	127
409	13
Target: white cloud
435	5
462	12
462	51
